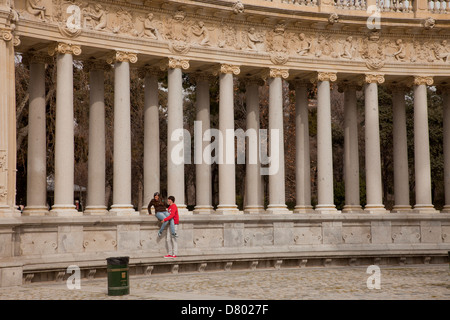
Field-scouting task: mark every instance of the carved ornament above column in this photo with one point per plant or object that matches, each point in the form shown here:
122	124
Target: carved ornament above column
150	70
276	73
33	56
96	64
64	48
229	68
122	56
324	76
423	80
373	78
346	85
6	35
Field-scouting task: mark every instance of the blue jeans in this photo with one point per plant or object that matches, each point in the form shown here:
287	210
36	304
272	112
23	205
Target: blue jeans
161	216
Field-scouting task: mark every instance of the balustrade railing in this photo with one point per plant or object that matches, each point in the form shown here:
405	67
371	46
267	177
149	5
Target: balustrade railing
307	3
395	5
350	4
439	6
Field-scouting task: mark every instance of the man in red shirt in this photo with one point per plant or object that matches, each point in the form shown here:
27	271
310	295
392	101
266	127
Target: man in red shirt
172	239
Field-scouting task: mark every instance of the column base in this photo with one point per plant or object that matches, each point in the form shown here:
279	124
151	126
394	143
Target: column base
122	210
401	209
203	210
424	208
95	211
227	209
61	210
352	209
375	209
254	210
446	209
277	209
327	209
35	211
8	212
183	210
303	209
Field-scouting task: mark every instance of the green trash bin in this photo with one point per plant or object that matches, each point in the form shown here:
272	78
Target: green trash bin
118	279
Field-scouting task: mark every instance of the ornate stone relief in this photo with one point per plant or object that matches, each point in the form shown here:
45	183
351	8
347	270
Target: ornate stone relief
182	31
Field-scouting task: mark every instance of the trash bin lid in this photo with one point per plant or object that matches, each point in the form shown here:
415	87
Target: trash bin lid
117	260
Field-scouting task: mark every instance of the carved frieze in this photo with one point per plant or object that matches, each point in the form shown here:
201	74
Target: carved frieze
282	42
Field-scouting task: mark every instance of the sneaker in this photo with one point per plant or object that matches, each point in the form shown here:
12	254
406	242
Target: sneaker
159	234
168	256
175	235
173	257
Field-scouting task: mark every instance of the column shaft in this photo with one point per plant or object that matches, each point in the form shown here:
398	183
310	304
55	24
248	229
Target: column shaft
37	143
96	159
374	194
151	140
422	166
401	171
253	183
351	153
302	156
203	190
227	178
175	138
446	134
122	141
324	148
277	203
64	138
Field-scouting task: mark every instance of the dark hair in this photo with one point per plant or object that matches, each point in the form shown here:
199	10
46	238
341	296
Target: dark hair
156	194
171	198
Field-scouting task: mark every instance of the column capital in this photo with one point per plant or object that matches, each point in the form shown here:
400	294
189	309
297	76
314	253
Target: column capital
151	70
64	48
324	76
346	85
276	73
32	56
423	80
229	69
297	83
122	56
202	76
394	86
6	35
173	63
96	64
443	88
372	78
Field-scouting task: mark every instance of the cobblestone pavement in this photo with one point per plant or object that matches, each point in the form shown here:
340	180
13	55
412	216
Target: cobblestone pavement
424	282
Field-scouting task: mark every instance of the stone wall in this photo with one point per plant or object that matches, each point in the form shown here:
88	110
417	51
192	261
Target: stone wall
41	248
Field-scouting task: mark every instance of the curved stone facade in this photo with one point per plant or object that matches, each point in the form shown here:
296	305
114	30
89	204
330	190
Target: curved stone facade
357	44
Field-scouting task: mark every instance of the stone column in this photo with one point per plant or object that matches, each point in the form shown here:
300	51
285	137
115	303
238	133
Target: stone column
253	184
351	152
37	138
95	204
7	124
64	130
400	141
203	190
374	192
277	202
175	137
324	145
302	155
122	133
446	136
227	178
422	166
152	150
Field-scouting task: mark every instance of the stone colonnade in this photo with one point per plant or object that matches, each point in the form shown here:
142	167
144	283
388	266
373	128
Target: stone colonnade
64	147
